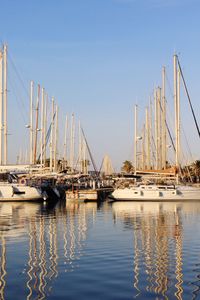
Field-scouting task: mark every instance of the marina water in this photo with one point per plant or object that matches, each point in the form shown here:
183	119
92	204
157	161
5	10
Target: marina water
119	250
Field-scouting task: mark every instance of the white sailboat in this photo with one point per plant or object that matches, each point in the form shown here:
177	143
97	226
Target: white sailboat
155	192
12	189
17	192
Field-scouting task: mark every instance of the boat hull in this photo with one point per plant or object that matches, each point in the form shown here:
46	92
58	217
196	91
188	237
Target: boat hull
15	192
179	194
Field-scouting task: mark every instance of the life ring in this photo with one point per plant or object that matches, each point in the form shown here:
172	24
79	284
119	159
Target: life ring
22	181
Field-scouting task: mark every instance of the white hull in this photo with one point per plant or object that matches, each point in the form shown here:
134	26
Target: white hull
17	192
157	193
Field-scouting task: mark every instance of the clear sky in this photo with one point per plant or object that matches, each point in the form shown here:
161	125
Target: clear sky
98	58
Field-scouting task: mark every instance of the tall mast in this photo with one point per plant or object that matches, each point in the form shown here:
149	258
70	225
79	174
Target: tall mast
51	140
135	138
42	128
156	126
31	122
45	127
80	146
1	103
56	139
36	125
84	158
164	132
159	128
72	144
5	102
176	108
150	133
143	148
178	115
81	155
147	123
65	140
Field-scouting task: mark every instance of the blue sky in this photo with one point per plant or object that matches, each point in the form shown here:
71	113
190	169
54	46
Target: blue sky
98	58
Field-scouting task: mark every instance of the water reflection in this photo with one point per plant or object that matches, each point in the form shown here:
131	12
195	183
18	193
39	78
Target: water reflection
54	240
3	267
158	245
42	249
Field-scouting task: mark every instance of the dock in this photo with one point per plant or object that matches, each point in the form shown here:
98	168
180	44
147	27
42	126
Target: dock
98	194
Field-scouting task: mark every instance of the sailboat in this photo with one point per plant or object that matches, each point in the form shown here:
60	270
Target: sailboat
155	192
10	190
13	190
162	192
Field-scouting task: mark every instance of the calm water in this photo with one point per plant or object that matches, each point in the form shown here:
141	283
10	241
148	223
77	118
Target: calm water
115	251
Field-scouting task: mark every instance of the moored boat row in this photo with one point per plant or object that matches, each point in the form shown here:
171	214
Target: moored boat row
46	178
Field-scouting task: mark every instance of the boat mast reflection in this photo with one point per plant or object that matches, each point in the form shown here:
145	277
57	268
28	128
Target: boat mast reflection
55	240
157	245
3	267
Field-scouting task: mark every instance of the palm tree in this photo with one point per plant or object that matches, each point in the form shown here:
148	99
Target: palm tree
127	167
196	169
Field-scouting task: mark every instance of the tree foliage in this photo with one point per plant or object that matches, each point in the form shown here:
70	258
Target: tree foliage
127	166
196	168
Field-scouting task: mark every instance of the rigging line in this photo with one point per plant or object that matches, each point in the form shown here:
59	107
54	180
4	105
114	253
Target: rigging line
18	74
93	162
188	170
23	104
170	136
21	111
169	85
184	158
60	137
101	165
189	150
47	136
172	96
171	92
77	161
168	130
152	140
188	96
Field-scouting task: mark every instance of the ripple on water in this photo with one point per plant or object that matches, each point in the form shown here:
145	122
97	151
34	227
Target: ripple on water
122	251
